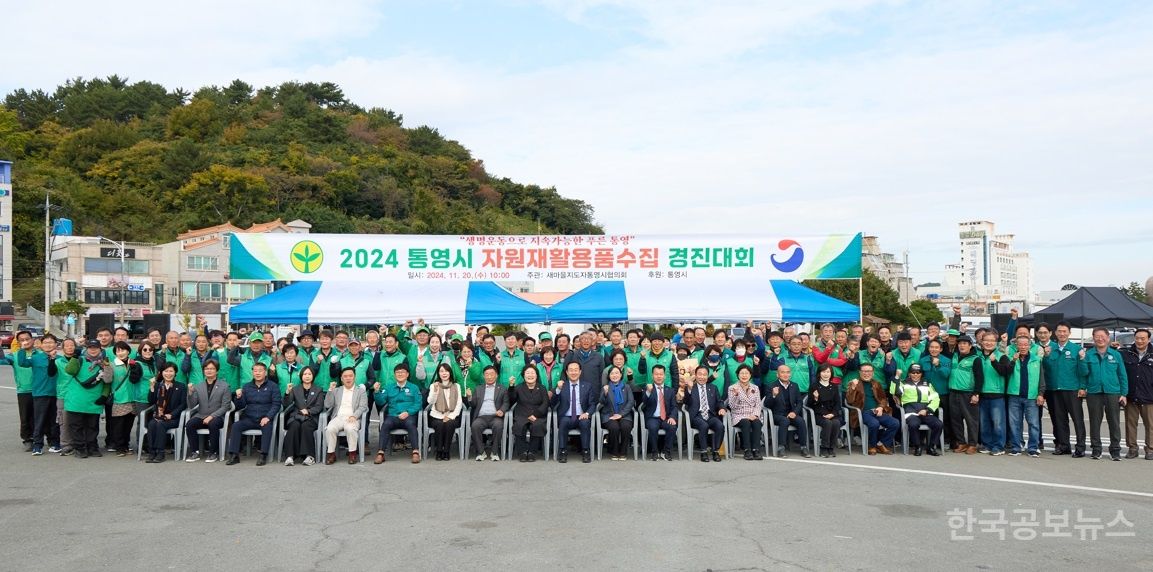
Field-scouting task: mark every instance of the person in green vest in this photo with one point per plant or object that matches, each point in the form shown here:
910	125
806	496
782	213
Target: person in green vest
917	396
897	362
360	363
512	361
549	368
658	355
371	345
633	355
1105	385
964	415
936	368
244	358
852	352
64	383
775	348
228	373
801	365
193	365
615	342
436	353
1026	392
42	363
488	354
307	349
142	369
323	358
714	361
173	352
86	397
23	376
124	404
745	353
1063	378
989	372
287	372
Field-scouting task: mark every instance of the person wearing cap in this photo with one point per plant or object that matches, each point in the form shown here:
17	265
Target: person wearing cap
85	400
964	415
400	402
258	403
345	405
1063	378
1025	388
899	361
306	348
208	402
920	403
245	358
455	341
488	403
354	359
949	346
414	351
545	341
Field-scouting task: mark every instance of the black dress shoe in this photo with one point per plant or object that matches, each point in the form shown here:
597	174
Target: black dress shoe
757	456
562	457
934	452
1079	455
716	457
586	457
233	460
916	451
530	457
261	461
748	455
159	458
704	457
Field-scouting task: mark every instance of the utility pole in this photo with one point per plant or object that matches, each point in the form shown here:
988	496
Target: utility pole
47	262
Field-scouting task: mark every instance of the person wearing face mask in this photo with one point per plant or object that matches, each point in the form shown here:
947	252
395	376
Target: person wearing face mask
530	416
745	352
714	362
446	403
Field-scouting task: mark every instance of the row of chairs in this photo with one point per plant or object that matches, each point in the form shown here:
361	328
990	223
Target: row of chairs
684	434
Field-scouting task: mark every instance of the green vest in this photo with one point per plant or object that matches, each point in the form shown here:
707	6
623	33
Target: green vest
665	360
177	358
323	376
388	363
123	390
195	373
904	362
961	376
994	383
82	399
308	356
246	362
511	366
361	365
148	372
549	378
64	382
1034	366
23	375
800	369
228	373
633	361
284	377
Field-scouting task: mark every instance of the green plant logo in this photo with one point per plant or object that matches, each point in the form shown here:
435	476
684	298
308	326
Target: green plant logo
307	257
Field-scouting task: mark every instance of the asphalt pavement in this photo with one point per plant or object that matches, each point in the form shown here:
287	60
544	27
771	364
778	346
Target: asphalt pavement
853	512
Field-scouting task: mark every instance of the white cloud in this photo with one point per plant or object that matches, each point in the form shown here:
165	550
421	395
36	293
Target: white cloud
702	125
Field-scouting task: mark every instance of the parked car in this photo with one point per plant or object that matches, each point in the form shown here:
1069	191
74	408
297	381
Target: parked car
6	338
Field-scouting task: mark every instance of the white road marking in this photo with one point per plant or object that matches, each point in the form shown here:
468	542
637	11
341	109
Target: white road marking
965	476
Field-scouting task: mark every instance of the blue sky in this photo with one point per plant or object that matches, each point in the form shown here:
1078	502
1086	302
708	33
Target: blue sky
895	118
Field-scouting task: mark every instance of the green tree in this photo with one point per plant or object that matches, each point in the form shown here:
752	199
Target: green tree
65	307
880	299
925	311
225	194
1136	291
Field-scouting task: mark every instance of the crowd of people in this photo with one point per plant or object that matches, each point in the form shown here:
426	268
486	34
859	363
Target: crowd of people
977	392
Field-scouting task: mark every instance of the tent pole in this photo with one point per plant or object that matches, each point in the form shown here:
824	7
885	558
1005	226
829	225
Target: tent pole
861	300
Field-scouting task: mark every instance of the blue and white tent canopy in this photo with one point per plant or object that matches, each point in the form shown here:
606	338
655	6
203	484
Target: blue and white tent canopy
388	303
687	301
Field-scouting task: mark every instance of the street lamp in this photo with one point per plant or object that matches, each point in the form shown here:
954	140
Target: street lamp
123	275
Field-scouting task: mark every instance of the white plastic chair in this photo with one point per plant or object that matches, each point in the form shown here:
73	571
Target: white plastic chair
731	433
691	432
221	443
602	433
771	424
905	429
317	435
360	438
844	430
426	430
234	416
554	429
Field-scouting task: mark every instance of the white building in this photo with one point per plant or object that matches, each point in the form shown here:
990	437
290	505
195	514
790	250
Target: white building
886	266
990	269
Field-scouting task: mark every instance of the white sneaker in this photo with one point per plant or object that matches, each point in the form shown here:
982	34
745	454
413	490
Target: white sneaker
308	461
289	462
193	457
480	457
211	459
494	457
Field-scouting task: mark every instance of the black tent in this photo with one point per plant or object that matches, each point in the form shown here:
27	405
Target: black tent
1100	306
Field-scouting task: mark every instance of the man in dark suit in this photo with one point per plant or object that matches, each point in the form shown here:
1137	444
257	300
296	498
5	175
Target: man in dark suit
706	412
489	403
788	408
659	411
575	402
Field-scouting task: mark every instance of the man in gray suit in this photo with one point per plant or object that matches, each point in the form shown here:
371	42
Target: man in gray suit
209	403
489	403
345	405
